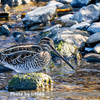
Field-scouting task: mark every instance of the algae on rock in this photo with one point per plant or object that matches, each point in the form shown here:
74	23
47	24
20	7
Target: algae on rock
29	81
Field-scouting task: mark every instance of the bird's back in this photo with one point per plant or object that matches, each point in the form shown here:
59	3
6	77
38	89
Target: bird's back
25	58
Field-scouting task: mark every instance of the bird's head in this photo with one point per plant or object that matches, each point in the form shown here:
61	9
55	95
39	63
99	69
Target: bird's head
47	44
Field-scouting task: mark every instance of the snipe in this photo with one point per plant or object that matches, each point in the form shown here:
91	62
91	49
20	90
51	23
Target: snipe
27	58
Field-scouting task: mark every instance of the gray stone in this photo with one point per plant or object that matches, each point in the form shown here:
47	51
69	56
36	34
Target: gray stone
94	28
72	40
4	30
67	23
86	14
65	1
40	15
79	3
55	27
82	25
97	48
94	38
55	3
29	81
66	17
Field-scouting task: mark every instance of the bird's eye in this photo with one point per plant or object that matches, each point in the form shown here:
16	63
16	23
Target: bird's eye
48	43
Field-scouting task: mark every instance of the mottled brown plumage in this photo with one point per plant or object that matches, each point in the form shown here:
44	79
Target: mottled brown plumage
27	58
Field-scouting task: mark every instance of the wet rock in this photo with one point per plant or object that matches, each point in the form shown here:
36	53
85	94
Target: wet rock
86	14
66	17
12	2
81	26
94	28
97	48
65	21
55	27
55	3
21	38
25	1
67	40
92	57
29	81
40	15
15	34
65	1
4	30
94	38
79	3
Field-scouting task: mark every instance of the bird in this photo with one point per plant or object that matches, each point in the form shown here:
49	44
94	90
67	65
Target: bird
29	58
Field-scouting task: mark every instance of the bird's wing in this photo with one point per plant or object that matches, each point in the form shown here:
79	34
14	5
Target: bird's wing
20	54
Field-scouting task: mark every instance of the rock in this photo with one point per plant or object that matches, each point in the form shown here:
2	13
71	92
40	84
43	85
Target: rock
40	15
6	8
81	26
92	57
79	3
15	34
65	1
29	81
94	38
97	48
55	3
94	28
86	14
21	38
25	1
67	40
12	2
4	30
55	27
67	23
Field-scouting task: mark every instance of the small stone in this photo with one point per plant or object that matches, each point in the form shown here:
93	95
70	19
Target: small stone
94	28
29	81
81	26
97	48
4	30
94	38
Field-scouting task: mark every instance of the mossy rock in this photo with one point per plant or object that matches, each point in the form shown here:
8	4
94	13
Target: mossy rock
29	81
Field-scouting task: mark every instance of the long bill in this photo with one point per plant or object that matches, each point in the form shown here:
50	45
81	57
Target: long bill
62	57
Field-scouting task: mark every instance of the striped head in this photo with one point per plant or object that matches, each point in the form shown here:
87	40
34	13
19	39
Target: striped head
46	43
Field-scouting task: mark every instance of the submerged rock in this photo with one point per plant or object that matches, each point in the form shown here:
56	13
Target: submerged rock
94	28
92	57
40	15
4	30
86	14
79	3
97	48
29	81
94	38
